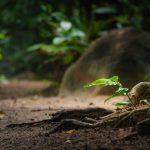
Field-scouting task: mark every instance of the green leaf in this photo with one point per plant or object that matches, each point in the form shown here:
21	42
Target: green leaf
105	82
77	33
120	92
59	40
66	25
105	10
2	36
123	103
1	56
35	47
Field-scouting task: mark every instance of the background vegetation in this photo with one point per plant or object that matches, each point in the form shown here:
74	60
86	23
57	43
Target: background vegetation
46	36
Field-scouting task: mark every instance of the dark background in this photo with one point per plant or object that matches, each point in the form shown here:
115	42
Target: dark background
44	37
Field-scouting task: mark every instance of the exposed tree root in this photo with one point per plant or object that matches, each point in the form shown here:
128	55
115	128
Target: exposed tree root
71	124
81	114
90	120
115	120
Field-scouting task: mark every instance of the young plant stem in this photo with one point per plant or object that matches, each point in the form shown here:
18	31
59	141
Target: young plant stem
132	103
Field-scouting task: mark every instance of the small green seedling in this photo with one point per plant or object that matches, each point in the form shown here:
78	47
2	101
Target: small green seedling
121	91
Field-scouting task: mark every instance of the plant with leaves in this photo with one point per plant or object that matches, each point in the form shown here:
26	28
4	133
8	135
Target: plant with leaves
67	42
121	91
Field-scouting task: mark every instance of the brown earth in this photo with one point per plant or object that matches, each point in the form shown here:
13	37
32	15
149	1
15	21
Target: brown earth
25	121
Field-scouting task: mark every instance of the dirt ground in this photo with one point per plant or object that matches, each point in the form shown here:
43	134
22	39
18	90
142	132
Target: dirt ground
25	121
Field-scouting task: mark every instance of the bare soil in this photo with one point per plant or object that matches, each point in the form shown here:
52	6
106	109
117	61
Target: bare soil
26	121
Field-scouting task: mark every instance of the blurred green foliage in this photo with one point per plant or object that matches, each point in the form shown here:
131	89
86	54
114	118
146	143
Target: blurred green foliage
47	35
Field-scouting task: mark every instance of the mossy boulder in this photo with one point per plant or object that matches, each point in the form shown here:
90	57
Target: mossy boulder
124	52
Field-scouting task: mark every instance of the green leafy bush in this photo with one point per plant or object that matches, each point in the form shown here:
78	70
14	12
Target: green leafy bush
42	32
67	41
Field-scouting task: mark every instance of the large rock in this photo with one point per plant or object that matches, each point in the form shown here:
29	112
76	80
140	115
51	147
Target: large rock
125	53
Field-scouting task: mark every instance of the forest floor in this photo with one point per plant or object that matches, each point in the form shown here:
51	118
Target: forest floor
25	121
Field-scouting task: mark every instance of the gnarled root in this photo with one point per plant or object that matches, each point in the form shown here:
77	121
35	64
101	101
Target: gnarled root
68	124
79	114
115	120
